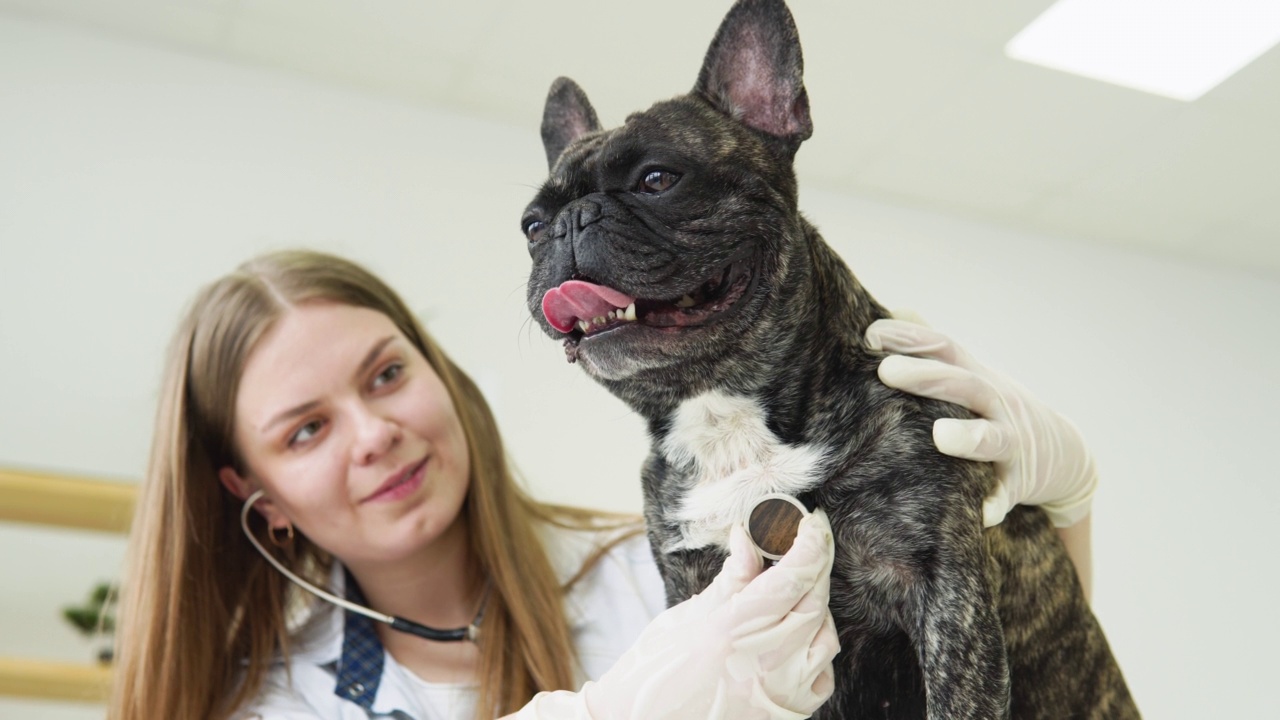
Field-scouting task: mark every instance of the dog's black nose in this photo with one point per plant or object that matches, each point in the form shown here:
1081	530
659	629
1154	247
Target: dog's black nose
575	217
586	212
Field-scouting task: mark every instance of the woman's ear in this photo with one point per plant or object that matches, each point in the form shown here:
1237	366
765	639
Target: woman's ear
242	488
236	485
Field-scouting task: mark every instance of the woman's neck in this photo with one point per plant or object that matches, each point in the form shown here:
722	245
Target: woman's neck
442	586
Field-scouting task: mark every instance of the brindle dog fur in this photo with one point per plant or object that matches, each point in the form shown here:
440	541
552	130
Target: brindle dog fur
696	196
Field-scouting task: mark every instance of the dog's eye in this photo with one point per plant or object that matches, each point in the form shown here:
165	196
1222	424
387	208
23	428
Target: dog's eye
533	229
656	181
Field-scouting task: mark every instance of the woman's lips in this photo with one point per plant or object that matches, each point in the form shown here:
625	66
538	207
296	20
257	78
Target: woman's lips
402	484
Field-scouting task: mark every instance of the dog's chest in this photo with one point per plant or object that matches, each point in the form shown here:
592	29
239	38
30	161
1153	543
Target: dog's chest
722	459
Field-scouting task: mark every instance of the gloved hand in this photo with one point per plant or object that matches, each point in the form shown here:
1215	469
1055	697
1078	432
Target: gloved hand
752	646
1039	455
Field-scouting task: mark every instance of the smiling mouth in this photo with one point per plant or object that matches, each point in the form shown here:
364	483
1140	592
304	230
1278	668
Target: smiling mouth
583	309
401	483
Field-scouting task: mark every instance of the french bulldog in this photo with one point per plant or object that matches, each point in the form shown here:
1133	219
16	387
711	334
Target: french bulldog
670	258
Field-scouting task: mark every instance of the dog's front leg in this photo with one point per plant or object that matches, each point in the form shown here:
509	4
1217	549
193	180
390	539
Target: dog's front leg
960	644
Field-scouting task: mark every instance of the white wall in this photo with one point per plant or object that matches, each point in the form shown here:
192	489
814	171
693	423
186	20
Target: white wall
129	176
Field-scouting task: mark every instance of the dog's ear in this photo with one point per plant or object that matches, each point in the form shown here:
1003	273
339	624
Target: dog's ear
567	116
754	72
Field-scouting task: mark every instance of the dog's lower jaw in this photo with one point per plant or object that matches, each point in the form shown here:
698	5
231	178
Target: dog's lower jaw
608	364
642	368
609	372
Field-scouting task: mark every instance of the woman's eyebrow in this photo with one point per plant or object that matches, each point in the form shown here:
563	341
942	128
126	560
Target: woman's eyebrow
302	409
369	359
374	352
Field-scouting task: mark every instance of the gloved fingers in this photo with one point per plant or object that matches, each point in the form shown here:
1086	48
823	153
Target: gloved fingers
740	568
1066	517
909	338
816	600
1061	513
820	689
1068	511
942	381
996	505
555	705
799	696
814	531
744	562
976	439
804	571
798	672
826	642
823	650
818	597
909	315
813	535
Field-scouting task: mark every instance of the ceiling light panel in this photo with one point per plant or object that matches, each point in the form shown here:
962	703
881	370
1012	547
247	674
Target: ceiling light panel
1176	48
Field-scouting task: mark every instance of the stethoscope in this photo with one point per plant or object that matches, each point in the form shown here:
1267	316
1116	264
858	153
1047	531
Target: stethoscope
772	523
471	632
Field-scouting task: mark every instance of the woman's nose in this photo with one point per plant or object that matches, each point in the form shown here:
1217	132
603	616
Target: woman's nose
375	435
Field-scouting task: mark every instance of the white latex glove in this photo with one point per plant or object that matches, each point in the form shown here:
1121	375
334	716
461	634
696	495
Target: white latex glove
1039	455
752	646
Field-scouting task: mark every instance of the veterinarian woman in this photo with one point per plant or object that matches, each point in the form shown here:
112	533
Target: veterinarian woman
303	400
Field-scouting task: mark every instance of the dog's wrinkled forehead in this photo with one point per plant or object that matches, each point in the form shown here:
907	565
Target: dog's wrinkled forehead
679	134
690	124
575	164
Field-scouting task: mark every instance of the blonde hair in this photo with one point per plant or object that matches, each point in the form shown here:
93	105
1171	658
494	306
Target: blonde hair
202	615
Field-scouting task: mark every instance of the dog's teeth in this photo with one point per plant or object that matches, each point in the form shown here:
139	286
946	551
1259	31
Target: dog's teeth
685	302
631	312
613	314
583	326
598	320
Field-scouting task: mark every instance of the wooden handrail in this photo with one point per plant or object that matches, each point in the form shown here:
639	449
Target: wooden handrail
54	681
48	499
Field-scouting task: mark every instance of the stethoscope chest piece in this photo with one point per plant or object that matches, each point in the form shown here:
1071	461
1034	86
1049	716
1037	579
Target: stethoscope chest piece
773	523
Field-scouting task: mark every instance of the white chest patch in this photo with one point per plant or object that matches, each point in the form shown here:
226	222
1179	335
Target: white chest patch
722	443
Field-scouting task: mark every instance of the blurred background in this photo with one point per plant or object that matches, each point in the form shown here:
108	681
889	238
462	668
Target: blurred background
1115	250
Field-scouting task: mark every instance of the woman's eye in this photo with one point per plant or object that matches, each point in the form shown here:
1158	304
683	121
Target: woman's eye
305	433
656	181
388	374
533	230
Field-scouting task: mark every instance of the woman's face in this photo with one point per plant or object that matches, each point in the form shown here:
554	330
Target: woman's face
351	433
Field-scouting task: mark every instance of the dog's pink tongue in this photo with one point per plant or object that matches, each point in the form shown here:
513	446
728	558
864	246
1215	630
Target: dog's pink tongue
576	300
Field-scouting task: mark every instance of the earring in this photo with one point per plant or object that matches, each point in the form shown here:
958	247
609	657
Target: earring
285	542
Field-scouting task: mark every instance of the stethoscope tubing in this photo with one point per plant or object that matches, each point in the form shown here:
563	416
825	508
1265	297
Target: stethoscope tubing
470	632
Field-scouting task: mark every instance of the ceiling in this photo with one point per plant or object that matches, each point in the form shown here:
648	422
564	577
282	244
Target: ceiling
913	100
